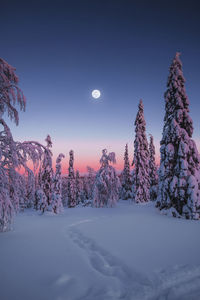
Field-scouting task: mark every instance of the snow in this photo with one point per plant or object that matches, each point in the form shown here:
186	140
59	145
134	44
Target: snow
127	252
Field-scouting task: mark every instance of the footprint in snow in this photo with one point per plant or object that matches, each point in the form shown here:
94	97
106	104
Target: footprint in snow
131	285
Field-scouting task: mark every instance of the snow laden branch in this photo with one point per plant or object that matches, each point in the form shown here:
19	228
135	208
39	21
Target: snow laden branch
10	93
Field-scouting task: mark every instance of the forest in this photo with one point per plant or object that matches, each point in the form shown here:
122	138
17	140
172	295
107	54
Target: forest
173	186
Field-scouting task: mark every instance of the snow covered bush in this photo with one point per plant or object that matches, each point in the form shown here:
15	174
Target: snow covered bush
179	168
107	184
141	181
126	190
40	200
153	175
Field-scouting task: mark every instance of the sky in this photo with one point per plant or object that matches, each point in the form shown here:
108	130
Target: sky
62	50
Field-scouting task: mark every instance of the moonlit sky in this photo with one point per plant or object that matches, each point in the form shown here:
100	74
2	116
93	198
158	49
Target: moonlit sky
62	50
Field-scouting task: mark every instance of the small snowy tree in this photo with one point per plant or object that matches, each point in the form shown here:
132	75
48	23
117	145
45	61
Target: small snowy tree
179	165
45	177
79	188
153	175
6	207
141	184
107	184
91	179
86	189
71	181
30	188
40	200
57	187
64	183
126	191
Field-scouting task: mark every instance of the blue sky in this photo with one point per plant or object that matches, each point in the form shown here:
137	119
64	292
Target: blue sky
62	50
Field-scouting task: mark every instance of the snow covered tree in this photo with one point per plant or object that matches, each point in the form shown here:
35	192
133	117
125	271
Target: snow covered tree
64	183
126	191
153	175
21	191
179	166
79	188
141	183
107	184
13	155
10	94
57	187
86	189
90	179
45	177
71	181
6	207
30	188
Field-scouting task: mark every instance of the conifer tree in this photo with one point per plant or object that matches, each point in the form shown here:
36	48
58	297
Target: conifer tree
6	207
107	184
90	179
30	188
57	187
71	181
64	181
126	191
179	167
153	176
141	182
46	177
79	188
86	188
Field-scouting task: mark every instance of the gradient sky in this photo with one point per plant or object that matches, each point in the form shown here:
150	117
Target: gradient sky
62	50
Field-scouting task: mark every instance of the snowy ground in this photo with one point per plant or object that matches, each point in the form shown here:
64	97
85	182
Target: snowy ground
127	252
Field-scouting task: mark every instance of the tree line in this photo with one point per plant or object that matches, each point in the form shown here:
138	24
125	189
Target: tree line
174	186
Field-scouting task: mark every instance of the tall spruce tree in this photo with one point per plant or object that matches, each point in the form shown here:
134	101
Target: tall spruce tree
153	175
179	167
126	191
141	182
71	181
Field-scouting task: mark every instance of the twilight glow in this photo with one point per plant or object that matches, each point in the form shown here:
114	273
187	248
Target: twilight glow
62	51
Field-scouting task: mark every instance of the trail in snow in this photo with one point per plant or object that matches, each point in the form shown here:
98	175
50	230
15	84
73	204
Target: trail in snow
120	282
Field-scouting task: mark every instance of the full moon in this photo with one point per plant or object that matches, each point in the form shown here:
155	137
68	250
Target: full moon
96	94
